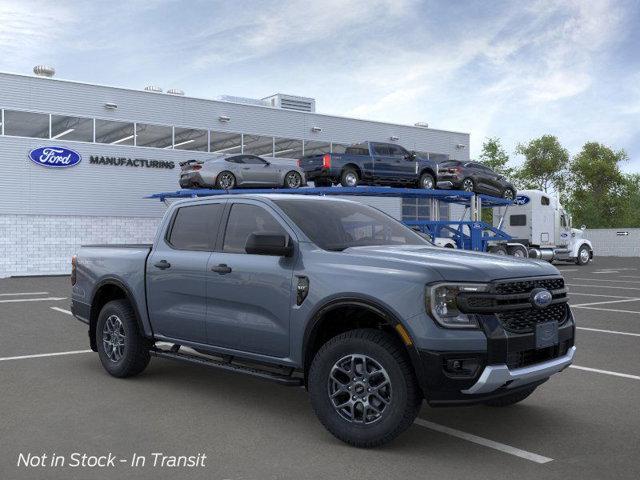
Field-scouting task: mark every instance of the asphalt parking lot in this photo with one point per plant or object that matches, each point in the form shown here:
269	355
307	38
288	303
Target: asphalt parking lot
56	397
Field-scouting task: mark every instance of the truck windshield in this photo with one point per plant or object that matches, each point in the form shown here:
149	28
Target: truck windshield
336	225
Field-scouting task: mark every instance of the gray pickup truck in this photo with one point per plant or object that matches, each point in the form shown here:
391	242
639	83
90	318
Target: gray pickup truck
332	295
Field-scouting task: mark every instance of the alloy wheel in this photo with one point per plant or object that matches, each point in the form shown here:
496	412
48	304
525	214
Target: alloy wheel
226	181
467	185
584	255
427	182
351	179
113	338
508	194
359	389
293	180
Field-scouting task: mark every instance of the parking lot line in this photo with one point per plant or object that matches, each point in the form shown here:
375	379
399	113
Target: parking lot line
40	355
601	286
609	331
61	310
533	457
606	309
606	302
596	295
606	372
22	293
607	280
16	300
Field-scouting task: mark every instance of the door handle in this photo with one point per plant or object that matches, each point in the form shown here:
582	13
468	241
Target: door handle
246	168
162	264
222	269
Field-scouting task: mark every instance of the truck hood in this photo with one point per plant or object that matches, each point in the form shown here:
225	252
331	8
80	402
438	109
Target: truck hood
457	265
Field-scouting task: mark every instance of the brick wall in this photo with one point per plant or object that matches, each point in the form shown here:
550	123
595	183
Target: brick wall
44	244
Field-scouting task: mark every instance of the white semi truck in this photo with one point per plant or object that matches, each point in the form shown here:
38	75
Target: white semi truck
540	223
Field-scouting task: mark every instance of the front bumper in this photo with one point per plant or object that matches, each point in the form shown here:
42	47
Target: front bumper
494	377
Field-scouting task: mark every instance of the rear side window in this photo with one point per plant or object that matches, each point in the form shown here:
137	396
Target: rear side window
244	220
357	150
195	228
517	220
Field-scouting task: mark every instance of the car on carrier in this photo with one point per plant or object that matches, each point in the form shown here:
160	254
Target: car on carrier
371	163
230	171
332	295
474	177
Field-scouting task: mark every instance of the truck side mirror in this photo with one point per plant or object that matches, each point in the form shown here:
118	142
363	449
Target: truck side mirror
273	244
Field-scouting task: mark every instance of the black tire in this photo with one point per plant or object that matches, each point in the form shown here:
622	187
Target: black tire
468	185
498	250
293	185
322	182
346	179
582	258
135	350
511	399
404	399
427	182
518	251
509	194
226	180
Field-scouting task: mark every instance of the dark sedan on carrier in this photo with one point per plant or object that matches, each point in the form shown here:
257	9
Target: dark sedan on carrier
474	177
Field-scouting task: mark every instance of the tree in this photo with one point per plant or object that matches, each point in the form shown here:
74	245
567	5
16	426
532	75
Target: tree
495	157
545	164
600	192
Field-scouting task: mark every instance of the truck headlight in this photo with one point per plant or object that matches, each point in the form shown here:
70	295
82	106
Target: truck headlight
442	304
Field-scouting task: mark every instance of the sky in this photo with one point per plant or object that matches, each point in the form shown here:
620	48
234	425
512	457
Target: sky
514	70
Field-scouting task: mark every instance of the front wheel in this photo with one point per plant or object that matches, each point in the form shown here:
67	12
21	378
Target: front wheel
292	180
468	185
121	348
584	255
508	194
363	389
427	181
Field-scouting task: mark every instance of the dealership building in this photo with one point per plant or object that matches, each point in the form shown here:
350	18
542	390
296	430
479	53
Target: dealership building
129	144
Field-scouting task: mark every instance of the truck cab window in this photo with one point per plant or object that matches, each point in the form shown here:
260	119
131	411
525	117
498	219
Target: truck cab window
544	200
194	228
517	220
381	150
244	220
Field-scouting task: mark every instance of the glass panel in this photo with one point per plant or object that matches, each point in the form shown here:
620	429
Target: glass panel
115	133
222	142
157	136
72	128
288	148
193	227
245	220
257	145
338	147
190	139
26	124
316	148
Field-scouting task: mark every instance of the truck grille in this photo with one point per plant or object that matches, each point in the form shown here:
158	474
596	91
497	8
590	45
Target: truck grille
510	302
524	321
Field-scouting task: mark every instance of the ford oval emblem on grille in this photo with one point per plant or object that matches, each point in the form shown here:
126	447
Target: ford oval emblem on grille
56	157
541	298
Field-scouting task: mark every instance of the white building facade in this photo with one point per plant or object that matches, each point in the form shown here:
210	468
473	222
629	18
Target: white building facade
129	144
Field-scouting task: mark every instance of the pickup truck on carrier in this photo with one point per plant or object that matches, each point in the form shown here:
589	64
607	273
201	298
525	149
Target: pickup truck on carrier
371	163
330	294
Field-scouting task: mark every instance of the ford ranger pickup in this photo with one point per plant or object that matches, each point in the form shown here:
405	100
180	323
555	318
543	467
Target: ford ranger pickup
332	295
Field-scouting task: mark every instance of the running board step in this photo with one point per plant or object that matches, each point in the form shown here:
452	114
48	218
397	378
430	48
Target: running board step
280	378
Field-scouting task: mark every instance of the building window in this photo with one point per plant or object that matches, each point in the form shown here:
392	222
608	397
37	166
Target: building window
114	133
419	209
26	124
287	148
316	148
190	139
225	142
258	145
157	136
72	128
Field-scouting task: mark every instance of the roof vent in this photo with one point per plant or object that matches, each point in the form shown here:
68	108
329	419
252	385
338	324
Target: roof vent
422	124
153	88
292	102
44	71
175	91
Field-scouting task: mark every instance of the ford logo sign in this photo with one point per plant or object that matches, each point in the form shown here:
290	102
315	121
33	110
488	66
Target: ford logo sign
55	157
541	298
521	200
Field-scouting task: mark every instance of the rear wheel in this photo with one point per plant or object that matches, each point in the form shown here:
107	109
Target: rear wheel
363	389
519	251
225	180
292	179
427	181
468	185
508	194
349	178
511	399
498	250
122	349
